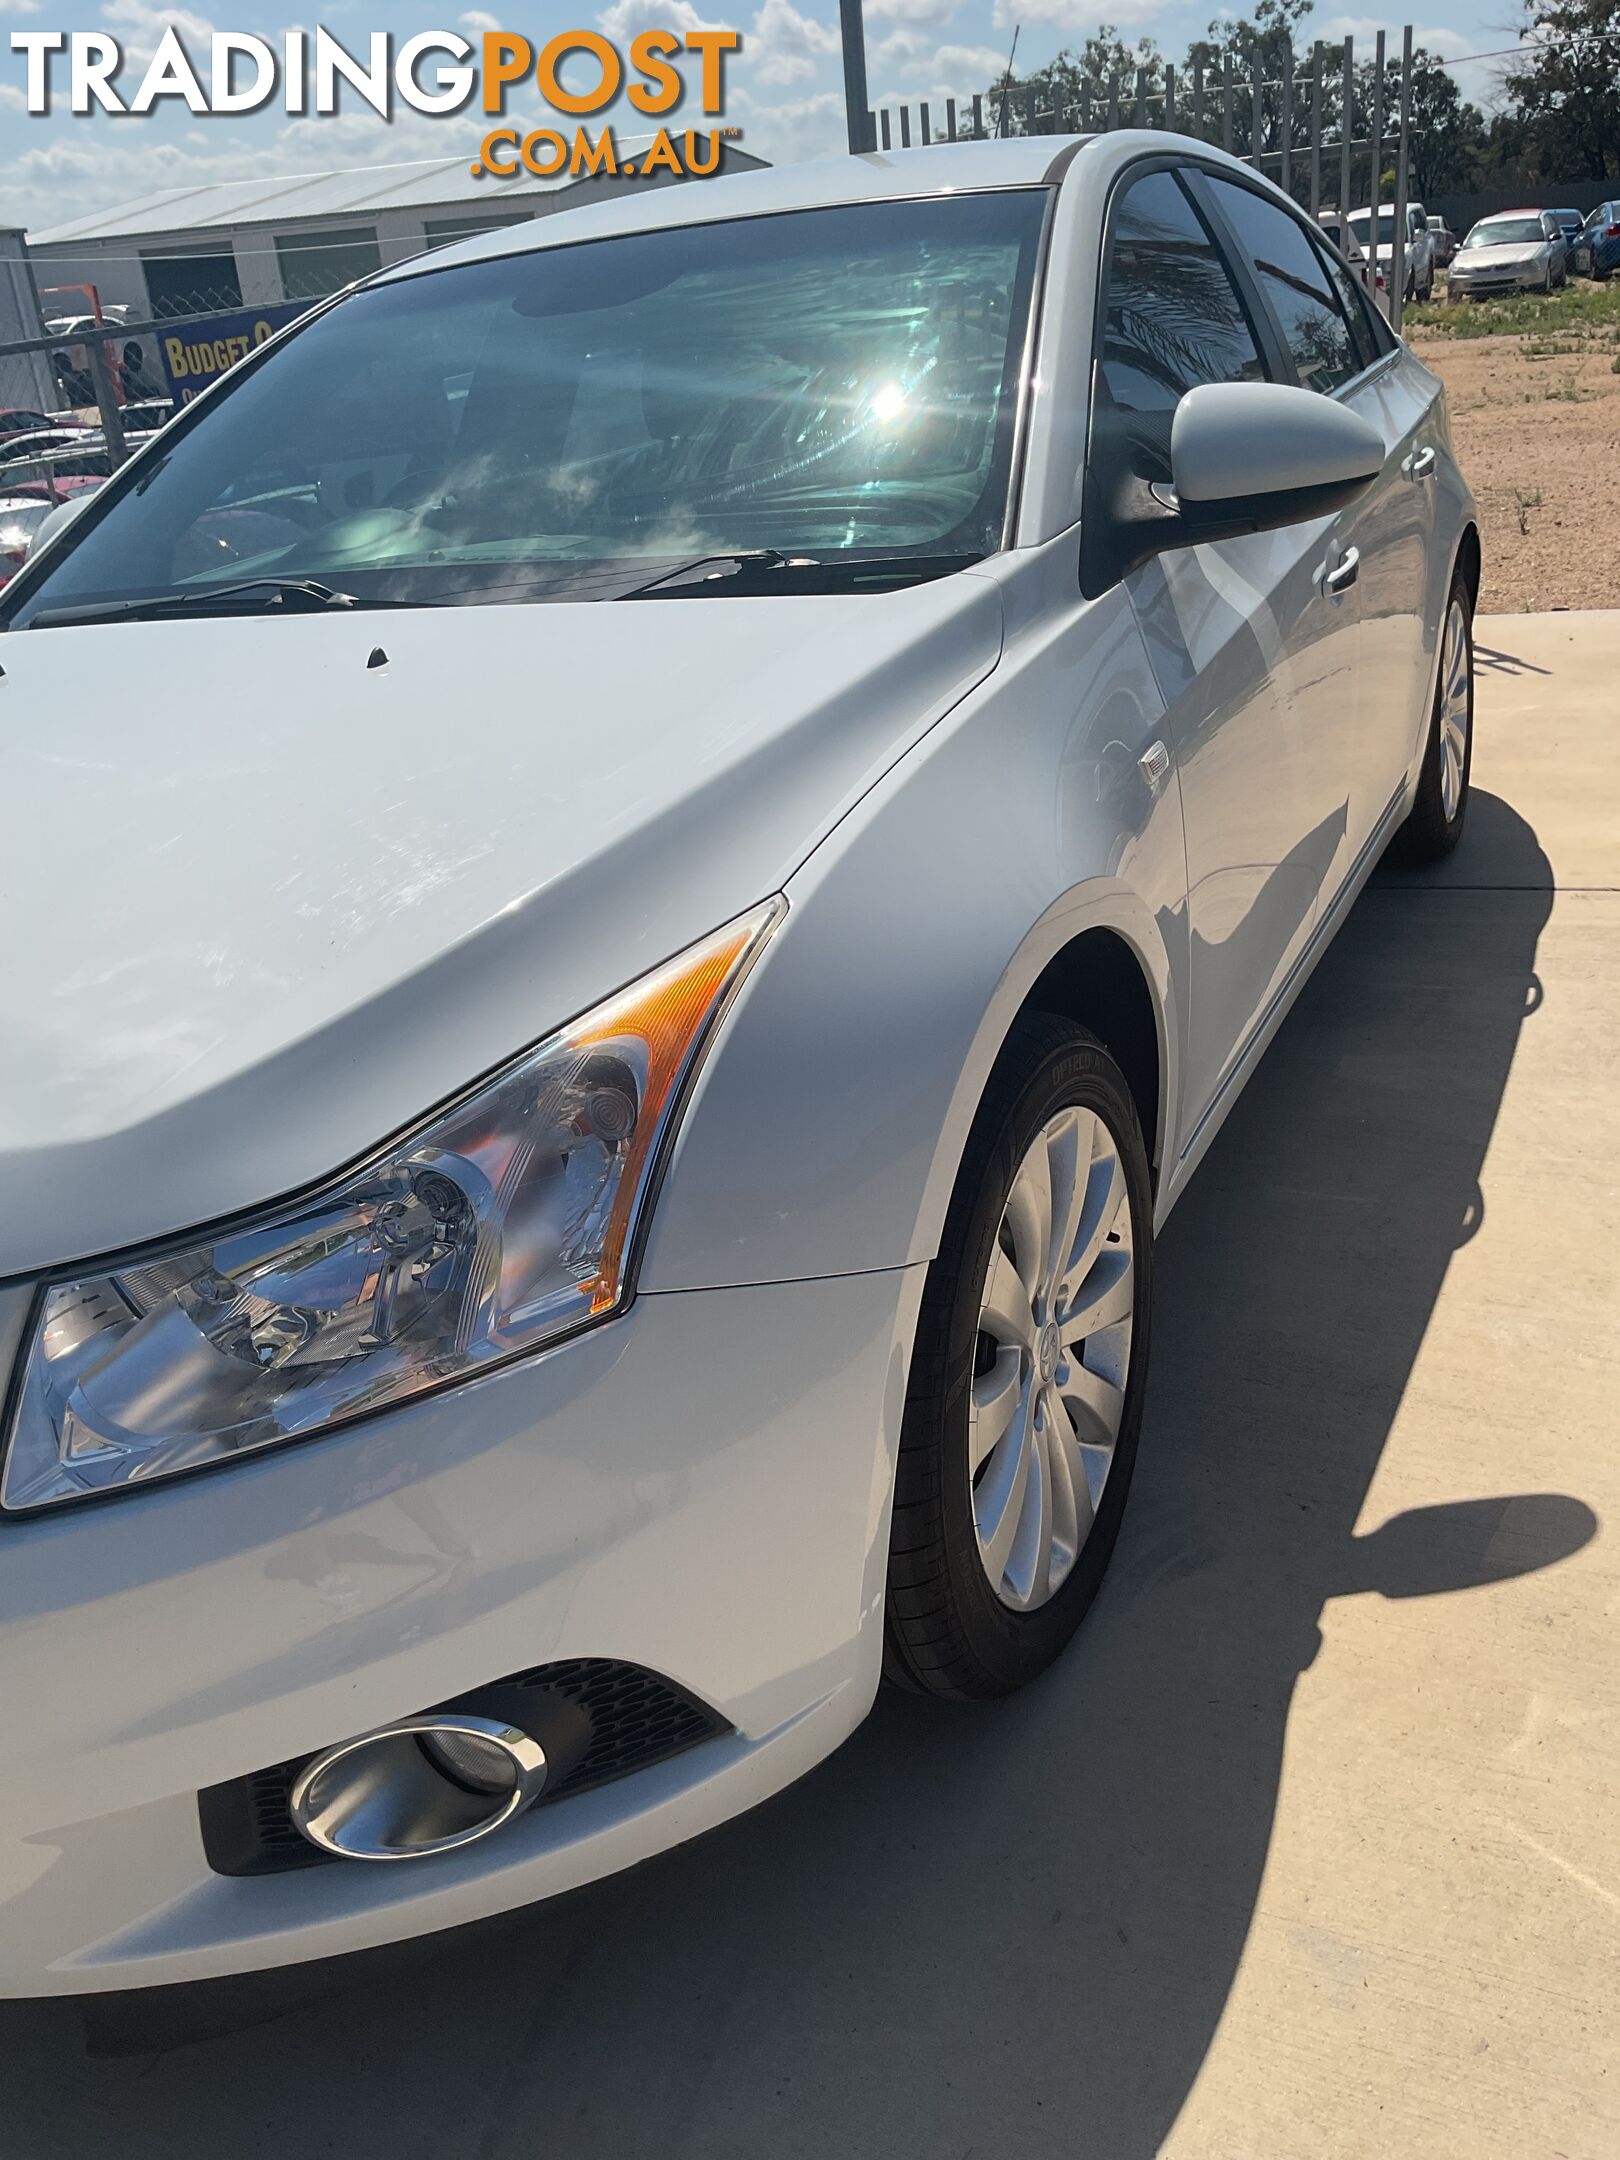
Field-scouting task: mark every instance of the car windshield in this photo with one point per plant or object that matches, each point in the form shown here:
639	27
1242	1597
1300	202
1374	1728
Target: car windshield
567	422
1506	232
1361	225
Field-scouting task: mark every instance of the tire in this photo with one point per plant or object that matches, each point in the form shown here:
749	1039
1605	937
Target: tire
1435	823
948	1630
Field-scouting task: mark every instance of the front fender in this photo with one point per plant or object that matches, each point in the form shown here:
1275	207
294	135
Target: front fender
828	1124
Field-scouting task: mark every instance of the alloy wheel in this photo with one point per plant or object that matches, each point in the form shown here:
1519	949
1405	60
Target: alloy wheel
1454	704
1052	1358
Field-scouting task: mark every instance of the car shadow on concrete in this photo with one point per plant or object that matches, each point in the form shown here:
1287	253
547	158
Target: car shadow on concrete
1010	1930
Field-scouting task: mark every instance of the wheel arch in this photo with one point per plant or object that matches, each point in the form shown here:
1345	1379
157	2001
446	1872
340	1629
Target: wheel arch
1098	981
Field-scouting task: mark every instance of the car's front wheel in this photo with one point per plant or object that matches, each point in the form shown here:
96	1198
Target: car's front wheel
1436	821
1027	1378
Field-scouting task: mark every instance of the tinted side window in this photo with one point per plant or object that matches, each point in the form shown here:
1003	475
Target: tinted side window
1294	279
1358	305
1173	317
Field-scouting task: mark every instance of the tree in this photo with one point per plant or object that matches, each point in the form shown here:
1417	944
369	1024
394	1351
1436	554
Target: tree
1061	86
1447	138
1564	94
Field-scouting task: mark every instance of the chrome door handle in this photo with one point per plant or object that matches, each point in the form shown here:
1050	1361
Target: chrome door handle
1343	574
1420	464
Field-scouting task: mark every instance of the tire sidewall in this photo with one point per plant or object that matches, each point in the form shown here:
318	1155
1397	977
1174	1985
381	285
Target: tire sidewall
1013	1646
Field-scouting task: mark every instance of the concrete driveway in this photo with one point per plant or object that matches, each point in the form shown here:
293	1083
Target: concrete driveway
1310	1845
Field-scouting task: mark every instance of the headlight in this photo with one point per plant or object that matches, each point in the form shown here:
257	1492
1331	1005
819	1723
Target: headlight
494	1227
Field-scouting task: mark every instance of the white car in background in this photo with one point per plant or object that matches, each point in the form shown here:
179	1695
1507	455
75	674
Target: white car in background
641	859
1418	266
1512	251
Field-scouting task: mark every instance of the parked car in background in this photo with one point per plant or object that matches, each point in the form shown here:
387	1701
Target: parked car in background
1418	280
65	453
1372	279
20	518
1512	251
1445	242
18	420
1568	223
538	1260
1595	250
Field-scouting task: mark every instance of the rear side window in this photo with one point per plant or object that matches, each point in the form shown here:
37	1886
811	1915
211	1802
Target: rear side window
1172	316
1293	277
1359	306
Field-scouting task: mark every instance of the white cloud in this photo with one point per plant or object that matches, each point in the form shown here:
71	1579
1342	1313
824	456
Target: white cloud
624	18
138	27
1071	14
977	61
801	128
922	11
476	19
21	7
785	46
13	98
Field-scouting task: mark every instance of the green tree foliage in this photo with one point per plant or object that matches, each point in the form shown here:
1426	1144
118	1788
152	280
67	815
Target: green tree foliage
1563	120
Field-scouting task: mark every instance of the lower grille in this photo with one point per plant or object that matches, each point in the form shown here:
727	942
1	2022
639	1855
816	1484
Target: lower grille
636	1719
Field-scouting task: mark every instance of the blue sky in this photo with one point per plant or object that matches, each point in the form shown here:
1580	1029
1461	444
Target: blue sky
784	85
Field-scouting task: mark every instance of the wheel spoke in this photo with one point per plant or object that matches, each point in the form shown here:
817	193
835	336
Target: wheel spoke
998	1503
1071	1493
1028	1568
1071	1143
1029	1220
1094	1402
1105	1196
1006	1315
996	1396
1107	1296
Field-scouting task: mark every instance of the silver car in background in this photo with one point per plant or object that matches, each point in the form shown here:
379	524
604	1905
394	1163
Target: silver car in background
1515	251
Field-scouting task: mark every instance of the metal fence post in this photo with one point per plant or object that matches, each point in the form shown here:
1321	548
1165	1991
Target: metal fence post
950	119
1316	129
978	116
1170	97
112	420
927	129
1141	97
1031	115
905	127
1375	193
1085	104
1348	128
1397	260
1226	104
1285	125
1113	102
883	128
1257	117
852	33
1198	101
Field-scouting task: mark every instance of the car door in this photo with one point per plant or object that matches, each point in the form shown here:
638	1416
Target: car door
1339	348
1251	659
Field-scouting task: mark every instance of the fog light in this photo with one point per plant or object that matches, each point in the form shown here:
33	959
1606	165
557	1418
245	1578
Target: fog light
425	1785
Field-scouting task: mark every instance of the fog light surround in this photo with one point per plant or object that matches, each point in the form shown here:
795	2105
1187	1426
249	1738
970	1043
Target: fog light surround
421	1786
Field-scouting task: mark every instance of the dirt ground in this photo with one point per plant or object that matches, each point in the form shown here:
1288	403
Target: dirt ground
1536	423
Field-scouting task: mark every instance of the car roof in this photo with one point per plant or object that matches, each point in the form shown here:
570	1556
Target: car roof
817	184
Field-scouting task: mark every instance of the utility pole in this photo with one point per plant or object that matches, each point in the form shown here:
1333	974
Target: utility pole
852	30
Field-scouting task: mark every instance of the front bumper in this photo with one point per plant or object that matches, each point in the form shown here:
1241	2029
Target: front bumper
701	1487
1495	286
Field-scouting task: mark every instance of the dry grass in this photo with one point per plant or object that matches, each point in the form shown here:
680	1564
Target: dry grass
1536	424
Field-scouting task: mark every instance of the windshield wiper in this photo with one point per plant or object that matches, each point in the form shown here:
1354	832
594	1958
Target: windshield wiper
287	595
767	570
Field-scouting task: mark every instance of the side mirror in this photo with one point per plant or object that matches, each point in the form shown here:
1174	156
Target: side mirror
1249	457
1241	458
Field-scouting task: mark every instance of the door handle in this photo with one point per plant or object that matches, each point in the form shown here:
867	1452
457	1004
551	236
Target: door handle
1421	463
1343	574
